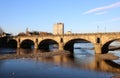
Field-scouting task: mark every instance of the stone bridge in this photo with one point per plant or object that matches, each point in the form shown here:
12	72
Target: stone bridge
100	41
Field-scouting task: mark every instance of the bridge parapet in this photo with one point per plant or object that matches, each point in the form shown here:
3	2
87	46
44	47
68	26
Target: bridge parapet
74	34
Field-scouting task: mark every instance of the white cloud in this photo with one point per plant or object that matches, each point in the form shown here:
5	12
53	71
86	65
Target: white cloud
114	5
107	21
101	13
115	19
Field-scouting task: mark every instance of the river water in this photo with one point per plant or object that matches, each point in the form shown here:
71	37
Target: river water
82	64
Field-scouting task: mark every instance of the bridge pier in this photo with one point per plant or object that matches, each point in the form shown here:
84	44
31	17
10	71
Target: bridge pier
61	46
36	46
18	45
98	48
18	51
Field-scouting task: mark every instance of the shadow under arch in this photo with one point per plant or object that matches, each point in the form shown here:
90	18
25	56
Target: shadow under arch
3	41
44	45
12	43
27	44
105	47
69	46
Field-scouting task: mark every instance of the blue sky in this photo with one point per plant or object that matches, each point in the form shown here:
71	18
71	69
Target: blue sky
78	16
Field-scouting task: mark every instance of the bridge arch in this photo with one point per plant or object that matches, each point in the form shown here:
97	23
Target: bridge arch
69	45
27	44
44	45
105	47
12	43
3	41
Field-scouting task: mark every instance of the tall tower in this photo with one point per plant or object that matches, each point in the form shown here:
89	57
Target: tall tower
58	29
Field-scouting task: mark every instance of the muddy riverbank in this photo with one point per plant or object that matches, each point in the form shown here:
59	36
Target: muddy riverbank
108	56
43	55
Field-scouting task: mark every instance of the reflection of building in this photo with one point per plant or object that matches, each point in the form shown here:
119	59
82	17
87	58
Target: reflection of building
58	29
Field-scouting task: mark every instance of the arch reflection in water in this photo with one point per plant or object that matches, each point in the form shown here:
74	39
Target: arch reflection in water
21	51
83	62
88	63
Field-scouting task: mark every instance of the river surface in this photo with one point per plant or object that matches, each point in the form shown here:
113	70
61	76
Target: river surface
82	64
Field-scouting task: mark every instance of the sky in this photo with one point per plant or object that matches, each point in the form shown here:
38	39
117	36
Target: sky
78	16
